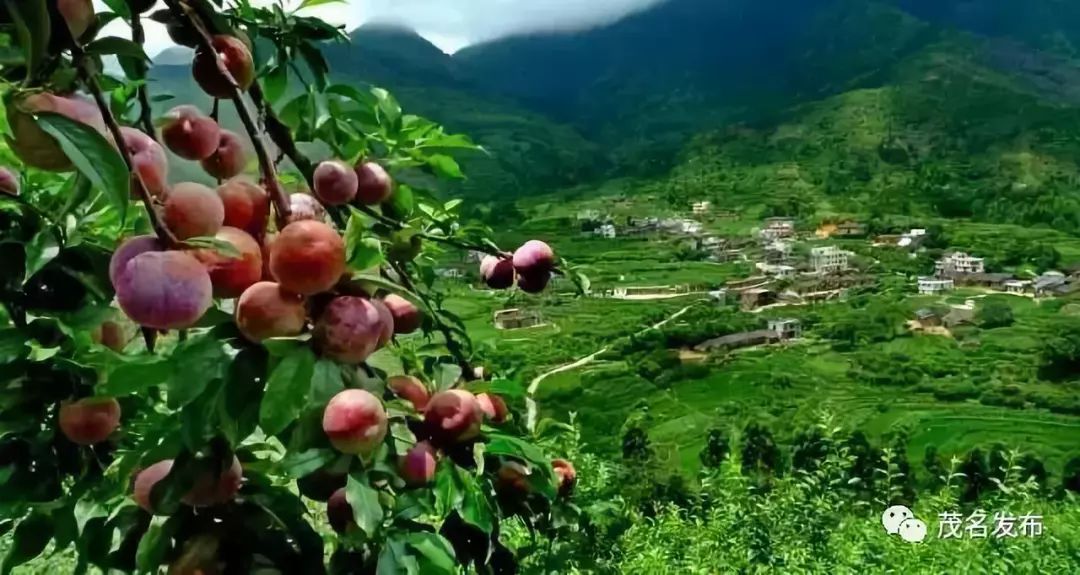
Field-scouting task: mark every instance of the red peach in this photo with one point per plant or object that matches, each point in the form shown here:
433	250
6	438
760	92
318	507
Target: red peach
307	257
145	481
335	183
387	320
373	183
149	160
190	134
513	477
32	144
90	420
247	205
193	210
498	273
534	257
128	250
566	476
164	290
229	159
453	416
355	422
348	329
410	389
78	14
534	282
417	466
237	59
231	276
493	406
407	317
9	182
111	335
265	310
215	490
339	513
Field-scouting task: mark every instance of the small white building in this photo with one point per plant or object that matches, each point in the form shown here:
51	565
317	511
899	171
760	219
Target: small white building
786	328
829	259
701	207
934	286
960	263
1017	287
781	271
605	231
776	228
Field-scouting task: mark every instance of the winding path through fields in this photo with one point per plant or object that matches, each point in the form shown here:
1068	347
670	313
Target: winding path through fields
534	385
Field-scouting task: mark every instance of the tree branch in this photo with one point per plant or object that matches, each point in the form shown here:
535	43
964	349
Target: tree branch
138	35
282	136
453	345
90	80
266	163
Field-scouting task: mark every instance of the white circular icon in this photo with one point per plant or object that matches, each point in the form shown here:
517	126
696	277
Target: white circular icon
912	530
894	516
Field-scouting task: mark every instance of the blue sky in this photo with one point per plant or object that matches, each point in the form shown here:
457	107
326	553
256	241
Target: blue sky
450	24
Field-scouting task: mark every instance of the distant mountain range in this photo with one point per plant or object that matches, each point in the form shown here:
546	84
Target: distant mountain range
966	80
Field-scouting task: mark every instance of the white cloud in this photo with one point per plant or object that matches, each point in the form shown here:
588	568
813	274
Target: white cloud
449	24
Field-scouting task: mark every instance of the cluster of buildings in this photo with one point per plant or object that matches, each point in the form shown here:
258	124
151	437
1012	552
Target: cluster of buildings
961	269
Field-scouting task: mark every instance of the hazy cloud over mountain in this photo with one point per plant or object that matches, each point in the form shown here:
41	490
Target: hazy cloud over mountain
452	24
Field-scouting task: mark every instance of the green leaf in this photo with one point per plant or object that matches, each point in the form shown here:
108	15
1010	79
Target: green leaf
326	382
42	249
542	477
446	375
93	156
448	493
32	27
242	393
287	390
507	388
299	464
195	363
313	3
276	82
362	251
364	500
134	377
154	544
220	246
402	203
445	167
31	537
395	559
436	554
474	507
116	46
388	107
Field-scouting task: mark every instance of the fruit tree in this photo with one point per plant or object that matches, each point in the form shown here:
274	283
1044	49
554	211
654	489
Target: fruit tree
224	348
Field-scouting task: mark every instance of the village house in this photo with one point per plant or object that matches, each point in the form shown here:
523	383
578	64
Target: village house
701	207
1050	284
605	231
719	295
786	328
960	315
926	318
450	273
849	229
985	280
776	270
959	263
776	228
935	286
642	292
517	319
757	297
738	340
1015	286
912	240
778	252
829	259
